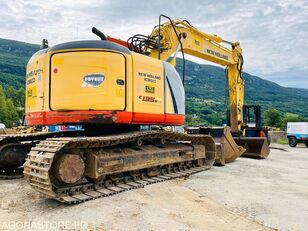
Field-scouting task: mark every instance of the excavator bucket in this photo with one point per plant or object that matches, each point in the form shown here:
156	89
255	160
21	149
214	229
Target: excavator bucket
256	147
226	148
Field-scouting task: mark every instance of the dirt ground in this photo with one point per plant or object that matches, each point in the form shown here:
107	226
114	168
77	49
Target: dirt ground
245	195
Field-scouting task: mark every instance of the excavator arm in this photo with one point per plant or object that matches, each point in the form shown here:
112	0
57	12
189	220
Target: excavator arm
177	35
164	43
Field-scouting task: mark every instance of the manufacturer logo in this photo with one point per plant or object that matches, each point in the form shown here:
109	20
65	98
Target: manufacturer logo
148	99
215	53
93	80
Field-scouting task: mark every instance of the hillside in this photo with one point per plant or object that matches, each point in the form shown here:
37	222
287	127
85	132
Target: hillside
205	86
206	92
14	56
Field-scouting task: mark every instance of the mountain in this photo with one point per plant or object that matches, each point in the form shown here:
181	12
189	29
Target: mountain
205	86
206	93
14	56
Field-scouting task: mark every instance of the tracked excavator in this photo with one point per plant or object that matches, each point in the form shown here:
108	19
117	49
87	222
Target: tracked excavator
116	91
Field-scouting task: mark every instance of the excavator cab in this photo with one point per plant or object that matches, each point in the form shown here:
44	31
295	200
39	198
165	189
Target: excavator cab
256	139
252	118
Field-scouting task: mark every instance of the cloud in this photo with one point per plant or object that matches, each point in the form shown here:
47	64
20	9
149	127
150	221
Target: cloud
273	34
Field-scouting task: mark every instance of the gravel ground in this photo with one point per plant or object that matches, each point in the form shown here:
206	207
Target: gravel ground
273	191
245	195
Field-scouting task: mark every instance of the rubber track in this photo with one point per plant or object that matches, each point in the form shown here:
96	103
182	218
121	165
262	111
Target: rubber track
39	162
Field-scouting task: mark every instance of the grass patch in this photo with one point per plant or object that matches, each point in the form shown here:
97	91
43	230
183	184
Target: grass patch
282	141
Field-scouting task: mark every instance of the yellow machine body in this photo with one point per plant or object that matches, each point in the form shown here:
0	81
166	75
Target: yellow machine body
103	84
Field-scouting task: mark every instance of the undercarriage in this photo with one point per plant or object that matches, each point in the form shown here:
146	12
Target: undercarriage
77	169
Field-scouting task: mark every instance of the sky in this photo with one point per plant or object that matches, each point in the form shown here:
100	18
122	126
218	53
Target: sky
273	34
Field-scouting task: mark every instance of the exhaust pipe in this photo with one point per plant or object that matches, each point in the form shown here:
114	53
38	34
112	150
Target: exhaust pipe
99	33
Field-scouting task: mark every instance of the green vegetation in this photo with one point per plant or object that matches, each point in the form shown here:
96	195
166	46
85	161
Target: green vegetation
283	141
204	112
277	119
290	117
205	87
273	118
10	112
14	56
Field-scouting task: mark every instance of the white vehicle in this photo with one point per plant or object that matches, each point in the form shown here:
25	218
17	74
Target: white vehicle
297	132
2	126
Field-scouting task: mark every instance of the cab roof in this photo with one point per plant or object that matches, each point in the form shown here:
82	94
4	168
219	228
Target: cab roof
84	44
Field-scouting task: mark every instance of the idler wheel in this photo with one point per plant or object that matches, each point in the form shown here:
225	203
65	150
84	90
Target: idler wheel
69	168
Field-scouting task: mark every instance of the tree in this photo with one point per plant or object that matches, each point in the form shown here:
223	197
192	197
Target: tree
273	118
8	111
289	117
12	116
3	108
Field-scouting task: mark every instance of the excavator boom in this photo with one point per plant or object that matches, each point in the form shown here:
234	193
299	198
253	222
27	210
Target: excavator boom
177	35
